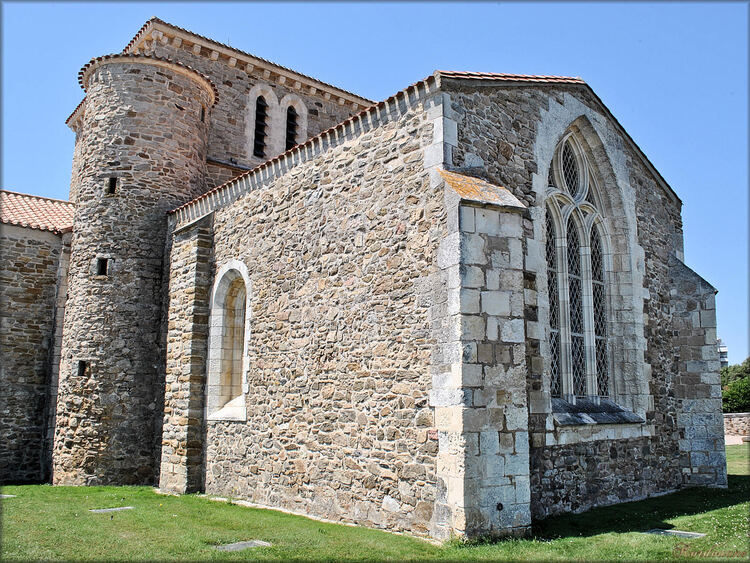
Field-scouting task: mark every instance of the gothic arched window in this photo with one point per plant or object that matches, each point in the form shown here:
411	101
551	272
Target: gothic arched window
576	278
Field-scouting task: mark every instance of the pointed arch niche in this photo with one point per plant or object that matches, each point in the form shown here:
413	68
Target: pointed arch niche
590	304
229	332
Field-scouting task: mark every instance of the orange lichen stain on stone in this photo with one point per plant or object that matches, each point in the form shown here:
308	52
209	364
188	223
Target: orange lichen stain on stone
476	189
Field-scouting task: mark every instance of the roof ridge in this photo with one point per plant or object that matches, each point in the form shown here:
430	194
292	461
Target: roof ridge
155	19
38	196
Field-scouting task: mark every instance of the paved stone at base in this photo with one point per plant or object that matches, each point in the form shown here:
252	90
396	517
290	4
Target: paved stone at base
680	533
111	509
240	545
7	496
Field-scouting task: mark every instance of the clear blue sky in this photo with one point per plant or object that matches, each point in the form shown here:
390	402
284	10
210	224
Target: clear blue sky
674	74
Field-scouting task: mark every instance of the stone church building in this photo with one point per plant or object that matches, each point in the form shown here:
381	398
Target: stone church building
453	311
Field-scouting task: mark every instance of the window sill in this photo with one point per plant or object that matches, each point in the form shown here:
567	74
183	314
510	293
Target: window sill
589	411
234	410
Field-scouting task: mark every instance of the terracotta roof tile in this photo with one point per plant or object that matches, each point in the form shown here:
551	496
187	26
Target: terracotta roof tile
511	77
36	212
480	191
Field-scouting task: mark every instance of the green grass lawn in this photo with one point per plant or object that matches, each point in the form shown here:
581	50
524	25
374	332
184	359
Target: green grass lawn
45	522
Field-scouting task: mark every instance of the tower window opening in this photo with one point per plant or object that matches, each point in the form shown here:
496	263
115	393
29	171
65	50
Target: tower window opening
83	367
291	127
261	117
102	266
112	185
203	114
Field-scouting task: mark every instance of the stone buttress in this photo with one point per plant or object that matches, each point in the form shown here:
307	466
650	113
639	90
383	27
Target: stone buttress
140	151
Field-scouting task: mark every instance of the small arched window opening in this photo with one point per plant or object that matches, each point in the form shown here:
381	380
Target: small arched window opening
261	126
291	127
233	341
227	347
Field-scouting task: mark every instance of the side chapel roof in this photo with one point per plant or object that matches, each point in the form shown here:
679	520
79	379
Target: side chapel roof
36	212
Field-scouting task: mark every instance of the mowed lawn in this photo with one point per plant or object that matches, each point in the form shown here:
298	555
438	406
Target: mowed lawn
45	522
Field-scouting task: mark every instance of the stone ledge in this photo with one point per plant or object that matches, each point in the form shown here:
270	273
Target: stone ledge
588	411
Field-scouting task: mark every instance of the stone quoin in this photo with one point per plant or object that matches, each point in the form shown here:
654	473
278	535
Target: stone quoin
450	312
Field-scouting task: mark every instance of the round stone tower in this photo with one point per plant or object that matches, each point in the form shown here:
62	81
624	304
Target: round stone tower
141	151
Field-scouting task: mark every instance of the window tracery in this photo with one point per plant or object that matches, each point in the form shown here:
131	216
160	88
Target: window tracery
576	278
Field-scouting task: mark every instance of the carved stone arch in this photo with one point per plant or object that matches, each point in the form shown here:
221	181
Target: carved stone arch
608	206
299	106
228	337
274	121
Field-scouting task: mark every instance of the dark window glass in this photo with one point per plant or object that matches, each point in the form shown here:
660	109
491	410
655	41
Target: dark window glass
291	127
261	119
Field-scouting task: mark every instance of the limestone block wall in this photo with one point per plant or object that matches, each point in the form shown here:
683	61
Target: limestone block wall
232	119
29	261
184	392
142	126
480	400
737	424
697	386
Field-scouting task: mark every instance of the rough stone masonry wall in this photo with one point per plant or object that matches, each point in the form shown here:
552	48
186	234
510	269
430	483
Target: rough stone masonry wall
497	132
737	424
341	253
28	272
229	136
141	125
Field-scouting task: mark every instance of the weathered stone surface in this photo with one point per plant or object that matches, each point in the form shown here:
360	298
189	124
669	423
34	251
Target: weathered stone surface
29	261
142	126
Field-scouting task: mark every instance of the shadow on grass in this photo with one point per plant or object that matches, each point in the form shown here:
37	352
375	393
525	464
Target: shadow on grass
637	516
646	514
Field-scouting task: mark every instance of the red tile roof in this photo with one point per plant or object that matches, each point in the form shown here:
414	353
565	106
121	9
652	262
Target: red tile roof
36	212
511	77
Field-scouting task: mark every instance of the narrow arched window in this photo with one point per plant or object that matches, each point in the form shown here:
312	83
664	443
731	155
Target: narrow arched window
291	127
261	124
600	314
227	346
554	308
233	341
575	299
576	279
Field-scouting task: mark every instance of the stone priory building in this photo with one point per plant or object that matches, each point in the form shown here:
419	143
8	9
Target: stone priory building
450	312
